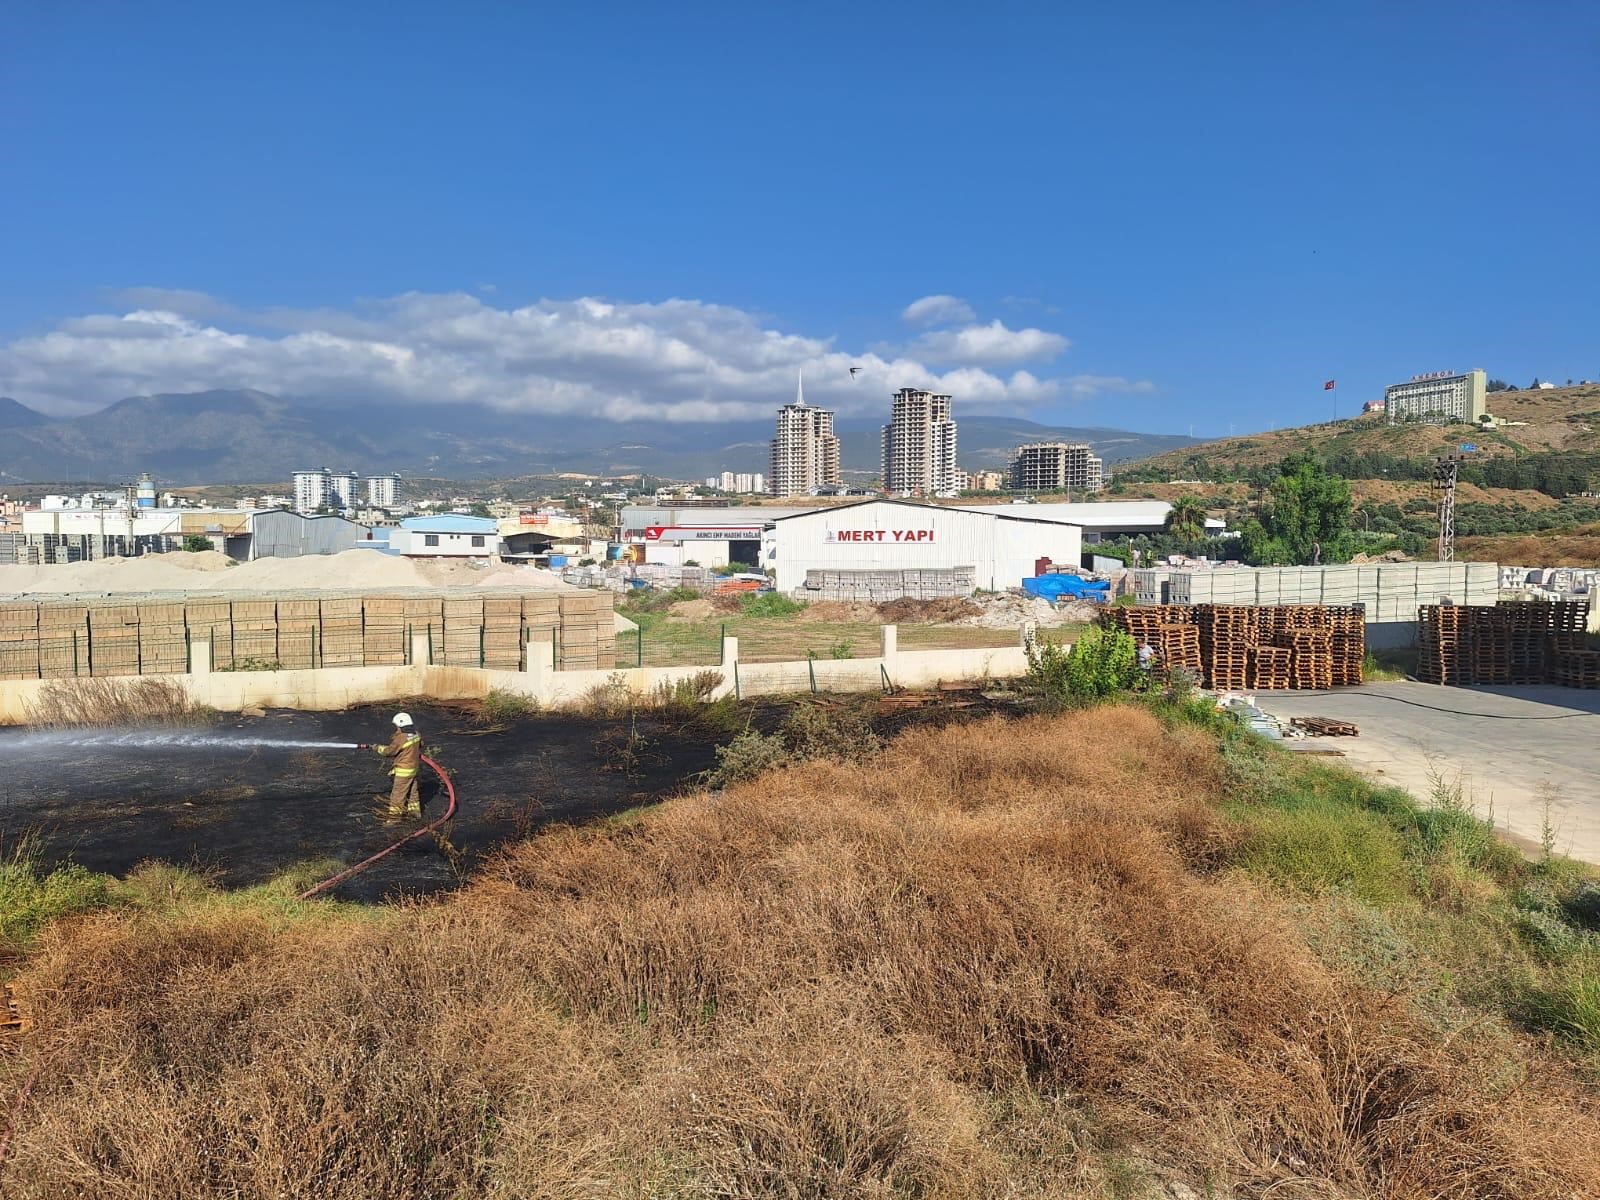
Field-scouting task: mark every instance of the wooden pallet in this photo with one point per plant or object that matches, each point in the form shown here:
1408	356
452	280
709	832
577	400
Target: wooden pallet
1325	726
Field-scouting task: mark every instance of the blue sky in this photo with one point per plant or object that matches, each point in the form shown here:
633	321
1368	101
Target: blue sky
1177	213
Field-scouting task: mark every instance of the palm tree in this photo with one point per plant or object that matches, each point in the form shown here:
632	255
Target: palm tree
1186	519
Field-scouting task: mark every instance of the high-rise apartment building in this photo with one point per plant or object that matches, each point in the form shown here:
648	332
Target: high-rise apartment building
919	445
1057	467
344	490
805	451
312	489
1440	398
383	491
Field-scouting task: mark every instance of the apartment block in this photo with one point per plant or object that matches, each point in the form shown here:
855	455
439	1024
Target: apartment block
1439	398
1057	467
805	450
918	449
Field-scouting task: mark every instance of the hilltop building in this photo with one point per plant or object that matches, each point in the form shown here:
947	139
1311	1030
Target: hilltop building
919	445
805	450
1057	467
1438	398
738	482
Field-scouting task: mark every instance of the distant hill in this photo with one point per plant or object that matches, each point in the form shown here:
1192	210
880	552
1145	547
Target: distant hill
1560	420
18	416
241	436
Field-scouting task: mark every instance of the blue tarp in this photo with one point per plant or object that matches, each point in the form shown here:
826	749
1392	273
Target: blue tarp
1053	587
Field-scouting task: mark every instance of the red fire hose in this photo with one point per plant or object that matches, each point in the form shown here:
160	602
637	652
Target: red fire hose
349	872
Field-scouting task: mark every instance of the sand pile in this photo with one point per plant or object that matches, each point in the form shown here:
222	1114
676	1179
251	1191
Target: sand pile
210	571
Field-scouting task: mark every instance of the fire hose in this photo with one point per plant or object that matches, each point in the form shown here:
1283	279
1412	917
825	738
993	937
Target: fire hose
332	881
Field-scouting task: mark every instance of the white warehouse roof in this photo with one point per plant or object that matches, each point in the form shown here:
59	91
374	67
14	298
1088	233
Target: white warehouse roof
1131	516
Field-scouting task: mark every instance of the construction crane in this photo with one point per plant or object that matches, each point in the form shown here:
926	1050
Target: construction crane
1445	469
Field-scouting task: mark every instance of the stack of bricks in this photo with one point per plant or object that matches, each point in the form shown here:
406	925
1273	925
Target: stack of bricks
586	645
425	620
299	630
212	621
163	639
114	639
463	632
502	632
63	640
383	631
255	633
341	641
1227	632
541	621
19	641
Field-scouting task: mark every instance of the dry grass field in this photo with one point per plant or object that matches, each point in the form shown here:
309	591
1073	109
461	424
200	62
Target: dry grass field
1061	956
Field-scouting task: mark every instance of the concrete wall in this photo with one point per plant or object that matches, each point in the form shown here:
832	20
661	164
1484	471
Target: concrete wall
329	688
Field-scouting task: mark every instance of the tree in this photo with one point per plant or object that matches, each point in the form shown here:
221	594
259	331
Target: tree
195	543
1497	385
1305	516
1187	518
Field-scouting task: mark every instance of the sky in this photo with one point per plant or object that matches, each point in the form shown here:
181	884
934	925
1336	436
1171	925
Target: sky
1165	217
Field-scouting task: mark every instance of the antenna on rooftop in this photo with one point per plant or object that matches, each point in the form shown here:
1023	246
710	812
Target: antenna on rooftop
800	387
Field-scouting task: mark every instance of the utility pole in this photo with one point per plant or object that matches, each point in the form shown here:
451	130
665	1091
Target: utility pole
1445	468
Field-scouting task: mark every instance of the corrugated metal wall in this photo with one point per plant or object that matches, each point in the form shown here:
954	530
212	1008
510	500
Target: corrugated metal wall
283	534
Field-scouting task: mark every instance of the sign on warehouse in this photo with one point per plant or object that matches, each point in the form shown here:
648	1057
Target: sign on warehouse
879	535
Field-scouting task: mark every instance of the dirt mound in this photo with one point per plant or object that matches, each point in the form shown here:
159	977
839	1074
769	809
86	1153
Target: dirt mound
692	610
907	611
840	613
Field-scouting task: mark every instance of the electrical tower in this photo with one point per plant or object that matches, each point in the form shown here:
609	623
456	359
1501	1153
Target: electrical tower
1444	482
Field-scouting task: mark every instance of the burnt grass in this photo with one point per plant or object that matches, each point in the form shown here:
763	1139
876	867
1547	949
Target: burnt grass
241	817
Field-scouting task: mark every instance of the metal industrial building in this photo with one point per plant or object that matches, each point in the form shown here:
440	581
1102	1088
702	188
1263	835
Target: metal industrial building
1001	544
58	535
1100	519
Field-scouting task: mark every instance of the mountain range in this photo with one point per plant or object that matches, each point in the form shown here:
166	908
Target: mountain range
251	436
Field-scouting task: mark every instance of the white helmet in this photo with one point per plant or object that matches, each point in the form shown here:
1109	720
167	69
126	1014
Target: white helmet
402	720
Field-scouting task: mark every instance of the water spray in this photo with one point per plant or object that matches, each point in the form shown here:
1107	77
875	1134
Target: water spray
146	740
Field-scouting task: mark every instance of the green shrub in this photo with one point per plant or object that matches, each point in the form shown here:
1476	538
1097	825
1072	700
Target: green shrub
748	755
1099	664
841	650
30	898
501	706
685	697
769	604
1568	1002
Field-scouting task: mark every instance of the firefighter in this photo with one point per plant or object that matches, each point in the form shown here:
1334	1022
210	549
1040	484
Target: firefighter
405	747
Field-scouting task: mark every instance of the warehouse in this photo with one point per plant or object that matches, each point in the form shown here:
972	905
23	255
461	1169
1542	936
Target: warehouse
999	546
1101	519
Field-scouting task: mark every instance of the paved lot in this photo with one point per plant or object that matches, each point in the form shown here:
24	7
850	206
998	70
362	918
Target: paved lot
1511	746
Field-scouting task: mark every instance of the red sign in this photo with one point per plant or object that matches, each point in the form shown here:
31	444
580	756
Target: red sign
879	535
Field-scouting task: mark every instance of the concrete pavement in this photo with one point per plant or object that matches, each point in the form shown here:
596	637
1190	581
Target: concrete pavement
1512	748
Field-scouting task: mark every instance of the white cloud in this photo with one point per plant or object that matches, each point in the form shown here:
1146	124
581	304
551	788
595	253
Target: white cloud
937	310
682	360
989	344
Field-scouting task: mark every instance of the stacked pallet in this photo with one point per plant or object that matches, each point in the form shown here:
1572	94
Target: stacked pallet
1577	668
298	630
502	632
1178	647
212	620
19	641
1310	657
114	639
1347	629
1518	642
1227	632
383	631
340	635
255	633
63	640
1270	668
163	639
463	631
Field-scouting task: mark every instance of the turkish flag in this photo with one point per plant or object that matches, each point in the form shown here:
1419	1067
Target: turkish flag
1328	387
